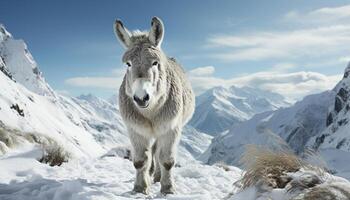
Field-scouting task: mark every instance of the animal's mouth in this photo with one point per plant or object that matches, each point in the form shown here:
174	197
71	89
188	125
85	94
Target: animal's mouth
143	106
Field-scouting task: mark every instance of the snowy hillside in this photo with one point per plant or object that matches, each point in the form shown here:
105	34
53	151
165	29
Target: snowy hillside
220	108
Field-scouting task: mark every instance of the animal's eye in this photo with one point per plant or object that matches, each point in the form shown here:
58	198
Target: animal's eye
155	63
128	64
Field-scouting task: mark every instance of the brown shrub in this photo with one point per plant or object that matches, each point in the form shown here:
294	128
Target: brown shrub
54	155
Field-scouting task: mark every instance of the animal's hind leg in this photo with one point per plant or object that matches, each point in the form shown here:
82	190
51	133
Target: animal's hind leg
142	159
167	153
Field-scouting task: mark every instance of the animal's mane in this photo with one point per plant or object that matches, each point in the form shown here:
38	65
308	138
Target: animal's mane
138	36
138	32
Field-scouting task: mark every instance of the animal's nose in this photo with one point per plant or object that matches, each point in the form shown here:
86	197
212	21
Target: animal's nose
142	102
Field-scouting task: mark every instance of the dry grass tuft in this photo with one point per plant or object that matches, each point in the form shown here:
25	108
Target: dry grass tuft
9	137
266	167
54	155
3	148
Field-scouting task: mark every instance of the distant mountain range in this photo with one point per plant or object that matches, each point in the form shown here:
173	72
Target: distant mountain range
220	108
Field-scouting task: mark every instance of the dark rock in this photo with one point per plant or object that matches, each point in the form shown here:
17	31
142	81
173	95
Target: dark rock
342	122
18	109
343	94
338	105
341	143
319	141
329	119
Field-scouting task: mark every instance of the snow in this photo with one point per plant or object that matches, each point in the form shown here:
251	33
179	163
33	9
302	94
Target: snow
104	178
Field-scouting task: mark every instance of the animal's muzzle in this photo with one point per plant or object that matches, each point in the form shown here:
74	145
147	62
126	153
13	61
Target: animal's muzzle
142	102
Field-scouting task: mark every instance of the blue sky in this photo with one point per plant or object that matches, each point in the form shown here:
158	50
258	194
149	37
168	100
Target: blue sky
291	47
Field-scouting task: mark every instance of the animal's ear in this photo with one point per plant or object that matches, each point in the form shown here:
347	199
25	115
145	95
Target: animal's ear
156	33
122	33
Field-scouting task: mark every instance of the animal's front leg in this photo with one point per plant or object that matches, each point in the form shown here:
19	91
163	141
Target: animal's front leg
167	155
142	161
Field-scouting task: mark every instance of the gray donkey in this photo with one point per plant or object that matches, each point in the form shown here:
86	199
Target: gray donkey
155	100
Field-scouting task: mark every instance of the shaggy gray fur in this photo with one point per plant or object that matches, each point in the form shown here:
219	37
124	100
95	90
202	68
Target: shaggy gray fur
156	101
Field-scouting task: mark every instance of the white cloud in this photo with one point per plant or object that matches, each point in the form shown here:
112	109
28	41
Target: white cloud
319	33
106	82
322	15
95	82
63	92
202	71
291	85
344	59
301	43
119	71
283	67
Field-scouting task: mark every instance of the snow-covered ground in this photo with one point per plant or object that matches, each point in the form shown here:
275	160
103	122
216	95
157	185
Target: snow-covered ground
23	177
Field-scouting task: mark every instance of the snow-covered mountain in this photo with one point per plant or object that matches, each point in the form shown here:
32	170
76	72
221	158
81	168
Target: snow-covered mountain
337	133
220	108
20	63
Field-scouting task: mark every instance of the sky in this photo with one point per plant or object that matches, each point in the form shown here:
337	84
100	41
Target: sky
294	47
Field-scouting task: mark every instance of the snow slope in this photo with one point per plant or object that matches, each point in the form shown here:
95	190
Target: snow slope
219	108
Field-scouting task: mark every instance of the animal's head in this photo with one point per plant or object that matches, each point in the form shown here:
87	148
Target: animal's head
145	62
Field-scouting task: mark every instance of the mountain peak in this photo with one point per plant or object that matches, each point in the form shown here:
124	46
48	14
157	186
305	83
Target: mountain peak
4	34
19	62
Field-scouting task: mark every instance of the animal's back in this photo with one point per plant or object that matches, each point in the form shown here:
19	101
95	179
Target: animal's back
188	97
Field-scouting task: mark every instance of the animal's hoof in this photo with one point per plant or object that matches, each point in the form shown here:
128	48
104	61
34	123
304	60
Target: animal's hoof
156	178
141	189
167	189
